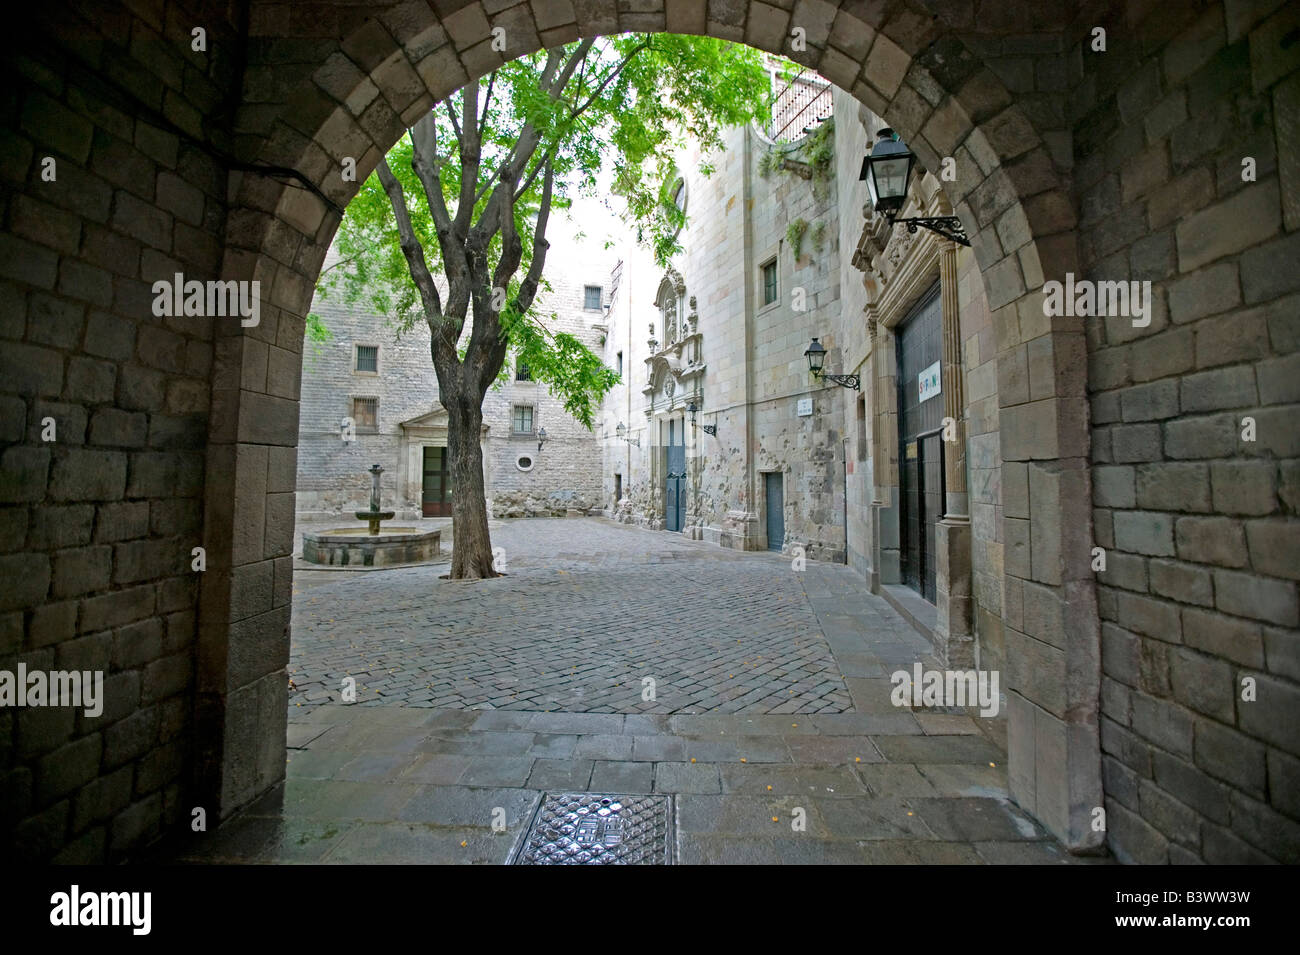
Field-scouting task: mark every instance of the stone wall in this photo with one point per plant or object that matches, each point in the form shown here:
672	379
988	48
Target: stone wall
99	515
332	473
756	371
1197	516
1118	164
852	142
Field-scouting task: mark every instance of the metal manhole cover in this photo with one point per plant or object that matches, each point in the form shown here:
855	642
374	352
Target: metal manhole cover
598	829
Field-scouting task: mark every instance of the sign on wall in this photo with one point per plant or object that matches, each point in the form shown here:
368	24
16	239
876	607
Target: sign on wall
804	408
929	382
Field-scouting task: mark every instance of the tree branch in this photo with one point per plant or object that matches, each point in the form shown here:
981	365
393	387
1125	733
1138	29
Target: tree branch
424	161
528	287
411	247
471	156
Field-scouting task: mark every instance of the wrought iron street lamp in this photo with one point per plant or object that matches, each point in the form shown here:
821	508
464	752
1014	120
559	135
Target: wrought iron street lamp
816	355
708	428
541	438
621	430
888	172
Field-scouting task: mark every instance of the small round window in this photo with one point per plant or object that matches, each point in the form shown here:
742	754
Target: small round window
524	463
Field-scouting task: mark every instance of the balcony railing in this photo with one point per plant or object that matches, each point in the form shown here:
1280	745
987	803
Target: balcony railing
799	107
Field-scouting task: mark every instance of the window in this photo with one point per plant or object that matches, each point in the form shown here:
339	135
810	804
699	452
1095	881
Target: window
367	359
524	462
769	282
365	413
521	419
591	298
620	364
521	372
679	194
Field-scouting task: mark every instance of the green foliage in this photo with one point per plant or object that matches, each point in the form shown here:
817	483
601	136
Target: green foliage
819	152
794	234
317	334
630	104
819	235
812	158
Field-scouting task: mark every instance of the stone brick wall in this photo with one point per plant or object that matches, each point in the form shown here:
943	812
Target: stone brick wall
754	353
852	142
1115	165
97	525
1198	522
983	462
332	473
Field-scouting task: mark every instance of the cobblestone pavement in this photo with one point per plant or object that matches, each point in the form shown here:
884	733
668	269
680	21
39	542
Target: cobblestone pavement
589	613
476	699
405	785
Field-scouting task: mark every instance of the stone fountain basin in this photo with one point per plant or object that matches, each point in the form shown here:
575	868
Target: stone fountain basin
370	515
357	547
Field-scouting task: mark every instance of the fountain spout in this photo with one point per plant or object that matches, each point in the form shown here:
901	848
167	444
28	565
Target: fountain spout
374	515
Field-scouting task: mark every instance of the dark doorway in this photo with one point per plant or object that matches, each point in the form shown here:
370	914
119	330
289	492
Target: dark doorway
675	480
920	440
618	489
775	496
435	499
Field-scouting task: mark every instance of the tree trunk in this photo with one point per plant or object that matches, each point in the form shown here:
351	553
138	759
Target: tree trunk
471	550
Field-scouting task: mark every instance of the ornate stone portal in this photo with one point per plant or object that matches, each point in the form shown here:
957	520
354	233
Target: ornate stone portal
897	266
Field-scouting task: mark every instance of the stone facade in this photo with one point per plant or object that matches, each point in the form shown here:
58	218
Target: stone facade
739	359
1125	689
562	476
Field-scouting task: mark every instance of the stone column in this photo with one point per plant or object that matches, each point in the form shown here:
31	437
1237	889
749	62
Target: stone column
877	462
954	386
884	450
954	632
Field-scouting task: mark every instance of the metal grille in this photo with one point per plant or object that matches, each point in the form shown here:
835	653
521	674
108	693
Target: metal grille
365	412
598	829
803	103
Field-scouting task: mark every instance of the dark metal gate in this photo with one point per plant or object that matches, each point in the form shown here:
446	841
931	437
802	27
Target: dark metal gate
920	457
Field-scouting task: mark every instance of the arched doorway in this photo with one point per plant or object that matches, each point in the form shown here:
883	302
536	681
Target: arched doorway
352	102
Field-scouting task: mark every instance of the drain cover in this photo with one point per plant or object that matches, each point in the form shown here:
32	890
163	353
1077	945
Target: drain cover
598	829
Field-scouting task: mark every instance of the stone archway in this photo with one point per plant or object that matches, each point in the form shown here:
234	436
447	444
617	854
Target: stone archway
352	99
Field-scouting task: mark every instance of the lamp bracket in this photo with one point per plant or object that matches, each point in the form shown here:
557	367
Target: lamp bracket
949	227
845	381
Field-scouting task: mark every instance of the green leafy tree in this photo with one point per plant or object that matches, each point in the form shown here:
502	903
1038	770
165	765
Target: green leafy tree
450	230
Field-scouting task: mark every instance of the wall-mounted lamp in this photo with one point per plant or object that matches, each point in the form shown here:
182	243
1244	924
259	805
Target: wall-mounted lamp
708	428
888	171
621	430
816	355
541	438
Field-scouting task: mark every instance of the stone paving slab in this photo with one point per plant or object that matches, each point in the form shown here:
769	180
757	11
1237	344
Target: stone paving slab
400	800
772	725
